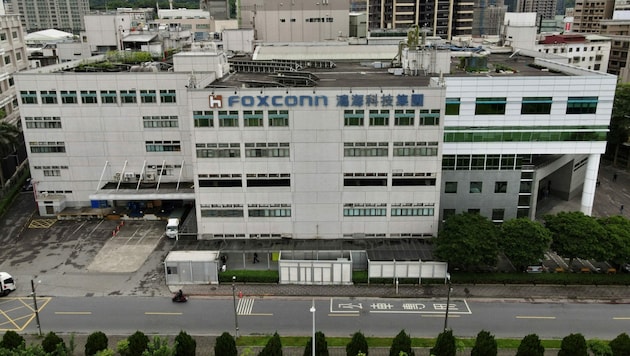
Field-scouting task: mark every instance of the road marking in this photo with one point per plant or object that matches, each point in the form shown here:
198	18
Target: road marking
355	314
621	317
161	313
73	313
258	314
245	306
41	223
438	316
534	317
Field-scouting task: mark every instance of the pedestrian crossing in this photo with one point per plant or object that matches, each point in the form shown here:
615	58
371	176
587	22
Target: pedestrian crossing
245	306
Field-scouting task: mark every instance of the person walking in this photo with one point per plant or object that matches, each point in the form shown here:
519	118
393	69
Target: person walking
621	209
256	258
615	177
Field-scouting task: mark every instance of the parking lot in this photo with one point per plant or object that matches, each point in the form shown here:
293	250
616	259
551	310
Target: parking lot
78	258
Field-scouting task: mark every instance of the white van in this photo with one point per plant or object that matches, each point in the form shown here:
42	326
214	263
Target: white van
172	228
7	284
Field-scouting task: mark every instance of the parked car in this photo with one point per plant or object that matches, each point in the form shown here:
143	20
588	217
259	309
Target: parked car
536	269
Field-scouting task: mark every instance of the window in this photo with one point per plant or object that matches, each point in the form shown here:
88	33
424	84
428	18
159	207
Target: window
362	210
446	213
168	96
582	105
353	117
88	97
109	97
253	118
47	147
7	59
500	187
402	149
3	36
498	214
18	56
429	117
43	122
450	187
490	106
128	96
365	149
222	213
412	211
278	118
163	146
28	96
218	150
148	96
228	118
271	149
14	34
269	213
379	117
404	117
159	121
203	118
536	105
452	106
476	187
477	163
474	211
49	96
69	97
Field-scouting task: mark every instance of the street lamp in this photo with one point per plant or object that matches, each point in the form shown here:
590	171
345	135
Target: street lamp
313	341
39	326
234	300
448	300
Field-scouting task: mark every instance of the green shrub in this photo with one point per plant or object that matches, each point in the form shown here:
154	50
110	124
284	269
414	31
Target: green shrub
573	345
185	345
485	345
138	343
445	344
321	345
273	346
225	345
12	340
620	345
358	344
95	342
401	343
530	346
51	342
599	348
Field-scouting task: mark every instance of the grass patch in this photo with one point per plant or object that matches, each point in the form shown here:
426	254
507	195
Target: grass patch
300	341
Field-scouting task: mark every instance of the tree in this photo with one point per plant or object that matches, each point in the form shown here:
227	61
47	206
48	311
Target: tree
576	235
51	344
273	346
159	347
598	348
138	343
12	340
524	242
530	346
401	343
10	137
95	342
618	236
225	345
620	346
485	345
358	344
321	345
444	344
185	345
468	240
619	121
573	345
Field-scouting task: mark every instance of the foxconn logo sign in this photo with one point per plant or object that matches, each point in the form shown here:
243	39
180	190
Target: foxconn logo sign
216	101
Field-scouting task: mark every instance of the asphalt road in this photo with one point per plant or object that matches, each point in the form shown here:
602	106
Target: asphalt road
421	317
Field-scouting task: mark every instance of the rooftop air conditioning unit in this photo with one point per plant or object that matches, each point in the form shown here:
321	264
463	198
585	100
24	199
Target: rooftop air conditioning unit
150	177
117	176
129	176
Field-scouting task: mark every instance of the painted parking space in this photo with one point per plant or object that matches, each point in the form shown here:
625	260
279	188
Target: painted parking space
397	306
17	313
41	223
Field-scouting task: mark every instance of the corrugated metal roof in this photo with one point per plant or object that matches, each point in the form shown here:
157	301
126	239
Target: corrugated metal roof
324	52
139	38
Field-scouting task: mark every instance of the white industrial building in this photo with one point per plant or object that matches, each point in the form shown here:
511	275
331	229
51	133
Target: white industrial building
312	149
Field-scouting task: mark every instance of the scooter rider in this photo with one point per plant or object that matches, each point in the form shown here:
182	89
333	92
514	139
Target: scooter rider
179	295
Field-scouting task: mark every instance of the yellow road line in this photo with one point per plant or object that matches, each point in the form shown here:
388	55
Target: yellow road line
161	313
73	313
534	317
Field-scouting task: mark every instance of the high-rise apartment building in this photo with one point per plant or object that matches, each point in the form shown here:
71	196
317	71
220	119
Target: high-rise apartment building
544	8
65	15
618	31
588	14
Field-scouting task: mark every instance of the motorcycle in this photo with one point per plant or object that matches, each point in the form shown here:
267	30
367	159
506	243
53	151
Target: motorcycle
179	298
